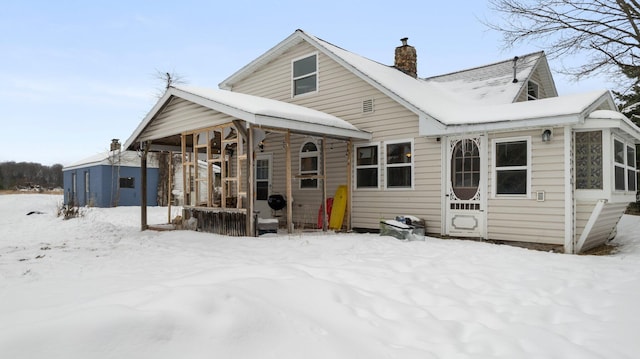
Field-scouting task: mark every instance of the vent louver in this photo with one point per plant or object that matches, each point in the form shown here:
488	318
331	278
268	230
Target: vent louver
367	105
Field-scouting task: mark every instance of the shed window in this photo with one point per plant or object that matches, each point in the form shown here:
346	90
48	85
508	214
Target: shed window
305	75
589	160
127	182
367	173
309	160
512	167
399	164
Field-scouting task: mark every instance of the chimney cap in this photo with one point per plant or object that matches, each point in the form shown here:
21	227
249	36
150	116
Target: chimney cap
404	41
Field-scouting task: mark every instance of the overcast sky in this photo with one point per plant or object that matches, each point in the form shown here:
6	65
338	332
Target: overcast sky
76	74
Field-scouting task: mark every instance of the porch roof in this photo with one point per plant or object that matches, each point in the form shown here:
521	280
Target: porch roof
255	110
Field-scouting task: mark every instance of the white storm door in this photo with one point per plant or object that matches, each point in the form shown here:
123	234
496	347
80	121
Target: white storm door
263	184
465	189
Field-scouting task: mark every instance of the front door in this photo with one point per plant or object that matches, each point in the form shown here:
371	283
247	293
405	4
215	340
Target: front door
464	196
263	184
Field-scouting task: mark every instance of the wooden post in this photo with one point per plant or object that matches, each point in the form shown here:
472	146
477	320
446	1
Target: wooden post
170	169
143	186
250	183
324	183
287	147
349	182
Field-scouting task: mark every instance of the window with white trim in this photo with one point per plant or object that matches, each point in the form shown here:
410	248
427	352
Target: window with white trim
367	166
533	91
305	75
512	167
624	166
399	164
309	160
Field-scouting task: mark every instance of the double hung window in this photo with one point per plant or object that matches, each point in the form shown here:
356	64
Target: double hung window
512	167
305	75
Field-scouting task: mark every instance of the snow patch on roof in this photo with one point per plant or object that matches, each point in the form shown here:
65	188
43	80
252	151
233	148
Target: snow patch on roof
490	84
109	158
267	107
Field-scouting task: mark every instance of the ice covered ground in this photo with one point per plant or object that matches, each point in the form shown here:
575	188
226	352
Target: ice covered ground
97	287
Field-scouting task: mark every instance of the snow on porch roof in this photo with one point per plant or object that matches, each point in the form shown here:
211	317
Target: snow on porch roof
256	110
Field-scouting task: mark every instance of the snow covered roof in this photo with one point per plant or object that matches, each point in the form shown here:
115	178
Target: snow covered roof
481	86
109	158
481	98
256	110
494	83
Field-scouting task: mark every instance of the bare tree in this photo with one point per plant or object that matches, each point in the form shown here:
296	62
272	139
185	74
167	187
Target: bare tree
168	79
605	32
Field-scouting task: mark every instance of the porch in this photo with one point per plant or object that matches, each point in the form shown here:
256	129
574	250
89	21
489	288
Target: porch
222	138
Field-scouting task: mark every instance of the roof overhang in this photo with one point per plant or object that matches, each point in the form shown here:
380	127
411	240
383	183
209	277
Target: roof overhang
257	111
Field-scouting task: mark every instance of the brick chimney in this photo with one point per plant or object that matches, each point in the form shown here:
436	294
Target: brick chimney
406	59
115	145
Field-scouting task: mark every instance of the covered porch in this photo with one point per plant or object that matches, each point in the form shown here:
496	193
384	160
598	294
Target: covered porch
224	137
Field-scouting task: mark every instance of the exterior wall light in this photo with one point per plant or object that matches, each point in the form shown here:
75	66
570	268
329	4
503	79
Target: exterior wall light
546	135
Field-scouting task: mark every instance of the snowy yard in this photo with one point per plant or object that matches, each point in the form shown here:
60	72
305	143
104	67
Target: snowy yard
97	287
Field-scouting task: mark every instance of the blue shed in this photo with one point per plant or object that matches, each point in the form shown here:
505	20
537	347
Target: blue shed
109	179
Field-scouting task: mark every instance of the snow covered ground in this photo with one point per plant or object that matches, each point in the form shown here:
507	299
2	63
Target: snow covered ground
97	287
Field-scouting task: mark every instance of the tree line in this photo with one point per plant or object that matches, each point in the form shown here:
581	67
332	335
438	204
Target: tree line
15	175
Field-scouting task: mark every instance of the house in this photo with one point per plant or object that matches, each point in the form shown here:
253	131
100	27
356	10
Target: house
491	152
109	179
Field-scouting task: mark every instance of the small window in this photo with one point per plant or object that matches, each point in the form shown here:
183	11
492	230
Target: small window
262	179
86	182
305	75
367	166
127	182
532	91
399	165
309	160
511	167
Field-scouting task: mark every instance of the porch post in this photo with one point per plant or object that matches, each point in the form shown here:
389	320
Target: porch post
349	182
287	147
169	186
143	186
250	183
323	205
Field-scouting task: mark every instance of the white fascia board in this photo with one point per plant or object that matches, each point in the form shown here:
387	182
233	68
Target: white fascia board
248	69
214	105
306	127
431	128
145	121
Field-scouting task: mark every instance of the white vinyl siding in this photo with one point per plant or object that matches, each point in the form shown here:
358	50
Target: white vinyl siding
523	218
341	94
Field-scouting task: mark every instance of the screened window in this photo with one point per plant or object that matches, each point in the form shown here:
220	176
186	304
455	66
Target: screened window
399	165
309	159
367	166
127	182
589	160
512	167
305	75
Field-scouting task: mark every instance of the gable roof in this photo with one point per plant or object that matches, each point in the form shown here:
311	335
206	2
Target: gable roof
494	83
480	98
431	97
252	109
